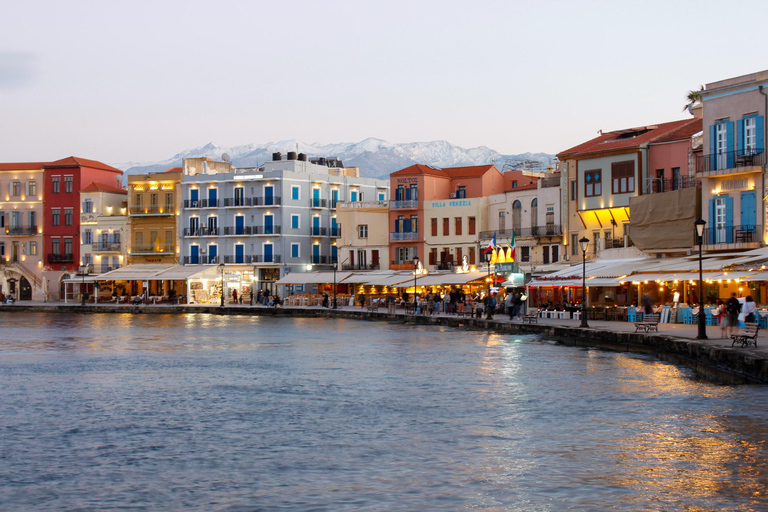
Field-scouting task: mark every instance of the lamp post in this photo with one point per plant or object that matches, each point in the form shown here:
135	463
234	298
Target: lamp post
335	268
83	268
700	223
488	308
221	270
415	275
584	243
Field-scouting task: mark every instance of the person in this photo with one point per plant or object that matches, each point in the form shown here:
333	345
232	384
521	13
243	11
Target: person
517	303
509	305
325	299
390	304
361	300
250	297
430	304
647	304
749	310
234	296
722	319
733	308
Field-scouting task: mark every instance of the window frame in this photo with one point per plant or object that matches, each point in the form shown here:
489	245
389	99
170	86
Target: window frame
623	175
591	187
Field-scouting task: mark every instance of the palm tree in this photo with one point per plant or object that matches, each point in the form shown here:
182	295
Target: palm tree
693	97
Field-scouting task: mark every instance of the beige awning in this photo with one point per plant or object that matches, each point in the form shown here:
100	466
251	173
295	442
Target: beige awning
152	272
312	277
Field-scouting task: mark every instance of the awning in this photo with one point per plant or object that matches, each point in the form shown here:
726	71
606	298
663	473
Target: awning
453	278
312	277
81	279
155	273
394	280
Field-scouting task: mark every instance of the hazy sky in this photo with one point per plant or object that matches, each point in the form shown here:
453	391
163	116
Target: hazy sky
139	81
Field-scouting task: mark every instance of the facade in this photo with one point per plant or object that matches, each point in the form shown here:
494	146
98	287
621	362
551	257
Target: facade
153	212
21	230
103	227
269	221
530	210
419	186
600	176
452	231
732	166
363	236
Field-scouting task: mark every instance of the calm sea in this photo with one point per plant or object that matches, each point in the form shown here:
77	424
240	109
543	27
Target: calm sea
201	412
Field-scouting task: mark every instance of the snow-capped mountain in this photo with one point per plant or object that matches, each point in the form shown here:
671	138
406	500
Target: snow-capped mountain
376	158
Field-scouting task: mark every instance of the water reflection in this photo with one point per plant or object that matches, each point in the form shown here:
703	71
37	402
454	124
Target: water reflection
209	412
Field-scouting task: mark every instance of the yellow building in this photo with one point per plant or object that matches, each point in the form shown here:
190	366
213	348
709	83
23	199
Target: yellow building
154	202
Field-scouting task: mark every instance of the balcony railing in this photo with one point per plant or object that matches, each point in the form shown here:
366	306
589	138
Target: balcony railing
745	234
336	231
152	249
21	230
730	160
500	233
267	230
266	201
616	243
399	205
361	267
152	210
60	258
546	230
201	232
202	259
105	247
319	231
245	258
659	185
242	230
259	258
318	203
396	237
238	201
445	265
321	260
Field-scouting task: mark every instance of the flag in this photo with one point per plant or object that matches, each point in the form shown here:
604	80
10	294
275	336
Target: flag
512	245
491	244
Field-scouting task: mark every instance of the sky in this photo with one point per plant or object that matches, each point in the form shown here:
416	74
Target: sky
142	80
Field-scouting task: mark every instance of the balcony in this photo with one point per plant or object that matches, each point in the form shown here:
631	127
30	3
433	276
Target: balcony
500	233
399	237
238	201
152	249
402	205
730	162
245	258
321	260
319	231
539	231
61	258
266	230
618	243
318	203
733	237
445	265
336	231
201	232
267	201
21	230
361	267
242	230
202	259
658	185
152	210
105	247
259	258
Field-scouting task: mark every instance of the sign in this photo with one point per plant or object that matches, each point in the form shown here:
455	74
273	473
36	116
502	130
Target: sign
506	267
516	279
146	284
453	202
495	289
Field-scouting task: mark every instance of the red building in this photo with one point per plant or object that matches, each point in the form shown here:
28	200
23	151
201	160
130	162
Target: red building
63	180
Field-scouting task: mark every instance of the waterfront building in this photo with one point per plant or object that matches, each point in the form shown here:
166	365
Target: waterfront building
103	227
600	176
269	221
732	166
363	235
446	202
153	213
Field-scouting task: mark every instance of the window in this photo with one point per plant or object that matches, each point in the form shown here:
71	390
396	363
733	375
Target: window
517	216
32	218
471	230
2	219
525	254
138	200
56	184
169	201
458	226
574	244
502	221
68	217
294	222
153	199
750	134
16	220
139	239
56	217
433	256
458	254
87	206
414	193
461	192
69	184
573	190
55	246
434	226
446	227
414	223
514	183
87	236
16	188
471	255
555	253
31	189
295	193
593	185
353	196
152	237
295	250
32	249
68	246
382	196
362	231
168	240
545	254
623	177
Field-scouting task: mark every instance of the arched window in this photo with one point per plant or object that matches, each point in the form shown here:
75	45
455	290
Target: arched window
534	213
517	208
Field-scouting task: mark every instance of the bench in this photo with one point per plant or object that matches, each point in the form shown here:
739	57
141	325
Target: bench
531	316
373	307
748	337
650	323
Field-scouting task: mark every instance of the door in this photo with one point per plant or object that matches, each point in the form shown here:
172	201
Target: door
213	251
213	225
375	258
335	198
194	255
334	227
14	252
238	196
720	220
269	195
25	289
315	226
316	254
748	229
239	253
239	224
721	144
212	196
334	254
362	260
267	253
316	197
269	225
194	197
194	225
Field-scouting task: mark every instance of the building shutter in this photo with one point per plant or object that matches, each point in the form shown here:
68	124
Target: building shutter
740	136
728	220
711	221
729	142
759	134
713	146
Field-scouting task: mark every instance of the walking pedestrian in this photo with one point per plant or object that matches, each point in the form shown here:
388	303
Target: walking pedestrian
733	308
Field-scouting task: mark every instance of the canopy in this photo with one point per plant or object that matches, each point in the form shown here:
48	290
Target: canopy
152	272
312	277
452	278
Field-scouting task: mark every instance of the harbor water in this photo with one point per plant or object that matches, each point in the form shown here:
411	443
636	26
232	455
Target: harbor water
207	412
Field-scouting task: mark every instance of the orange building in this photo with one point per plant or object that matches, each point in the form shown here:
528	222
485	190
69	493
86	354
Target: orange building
418	186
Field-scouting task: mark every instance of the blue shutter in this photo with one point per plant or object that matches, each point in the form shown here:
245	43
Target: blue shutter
740	136
713	147
759	134
711	221
334	254
729	143
748	210
728	219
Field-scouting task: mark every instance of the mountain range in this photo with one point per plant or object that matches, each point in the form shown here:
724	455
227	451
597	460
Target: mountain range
376	158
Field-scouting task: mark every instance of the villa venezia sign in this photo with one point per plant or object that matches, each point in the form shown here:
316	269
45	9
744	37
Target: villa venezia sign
457	202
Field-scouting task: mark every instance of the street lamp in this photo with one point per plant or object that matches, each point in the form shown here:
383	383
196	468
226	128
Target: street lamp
700	223
335	268
488	308
415	270
83	269
584	243
221	270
